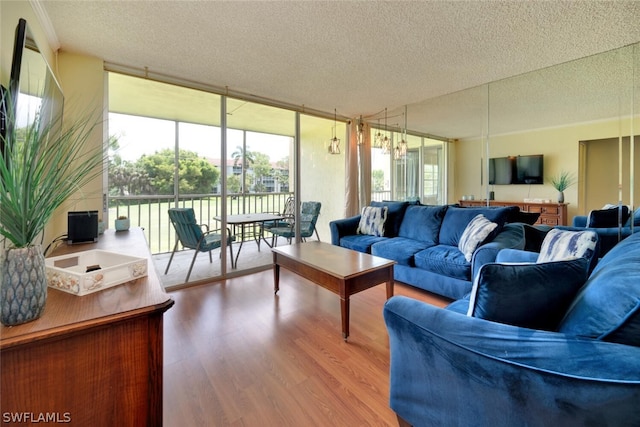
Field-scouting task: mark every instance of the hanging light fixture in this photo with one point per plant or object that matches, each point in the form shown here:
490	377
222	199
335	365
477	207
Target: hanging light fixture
377	141
334	143
401	148
386	142
360	132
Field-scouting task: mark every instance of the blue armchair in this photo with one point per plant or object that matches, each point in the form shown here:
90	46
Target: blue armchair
609	235
451	369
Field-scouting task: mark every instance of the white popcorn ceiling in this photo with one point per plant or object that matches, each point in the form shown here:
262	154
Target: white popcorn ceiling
355	56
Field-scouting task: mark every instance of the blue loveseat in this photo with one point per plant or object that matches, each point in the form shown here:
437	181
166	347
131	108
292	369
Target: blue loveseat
448	368
424	242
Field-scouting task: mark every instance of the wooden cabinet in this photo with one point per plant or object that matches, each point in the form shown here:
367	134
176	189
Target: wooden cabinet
550	213
90	360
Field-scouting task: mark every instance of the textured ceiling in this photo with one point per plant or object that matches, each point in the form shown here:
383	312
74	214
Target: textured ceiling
356	56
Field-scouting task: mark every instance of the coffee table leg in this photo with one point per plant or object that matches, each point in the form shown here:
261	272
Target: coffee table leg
344	309
276	278
390	284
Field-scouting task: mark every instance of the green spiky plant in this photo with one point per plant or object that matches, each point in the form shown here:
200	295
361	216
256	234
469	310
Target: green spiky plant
562	181
41	165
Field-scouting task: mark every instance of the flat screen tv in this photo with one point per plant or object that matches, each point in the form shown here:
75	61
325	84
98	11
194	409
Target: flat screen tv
530	169
502	170
33	88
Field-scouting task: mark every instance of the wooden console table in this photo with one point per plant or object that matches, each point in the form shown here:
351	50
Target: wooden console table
550	213
90	360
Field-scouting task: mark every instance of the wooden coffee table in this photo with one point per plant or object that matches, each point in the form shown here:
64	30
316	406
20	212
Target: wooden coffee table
342	271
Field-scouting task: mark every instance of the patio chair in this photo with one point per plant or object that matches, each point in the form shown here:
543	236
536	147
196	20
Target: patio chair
288	211
308	217
191	235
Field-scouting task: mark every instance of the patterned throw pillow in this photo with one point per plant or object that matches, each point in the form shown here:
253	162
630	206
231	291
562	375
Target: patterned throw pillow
372	221
476	232
563	245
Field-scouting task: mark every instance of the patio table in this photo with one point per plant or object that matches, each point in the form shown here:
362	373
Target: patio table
251	220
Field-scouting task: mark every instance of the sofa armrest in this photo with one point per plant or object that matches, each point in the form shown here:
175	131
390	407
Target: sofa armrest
450	369
343	227
516	256
579	221
511	237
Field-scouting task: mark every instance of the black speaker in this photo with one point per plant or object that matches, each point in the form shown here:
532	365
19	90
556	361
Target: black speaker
82	227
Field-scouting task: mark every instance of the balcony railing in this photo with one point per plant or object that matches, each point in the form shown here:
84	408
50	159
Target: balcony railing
379	196
150	212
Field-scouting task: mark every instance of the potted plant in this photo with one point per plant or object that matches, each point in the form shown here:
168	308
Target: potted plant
122	223
561	182
42	164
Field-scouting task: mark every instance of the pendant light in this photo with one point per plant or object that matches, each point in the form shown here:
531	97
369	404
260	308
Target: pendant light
360	132
377	141
386	142
401	148
334	143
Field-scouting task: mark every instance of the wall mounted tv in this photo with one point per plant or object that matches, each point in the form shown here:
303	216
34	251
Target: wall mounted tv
516	170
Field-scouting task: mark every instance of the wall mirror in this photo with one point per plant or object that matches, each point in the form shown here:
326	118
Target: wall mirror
554	111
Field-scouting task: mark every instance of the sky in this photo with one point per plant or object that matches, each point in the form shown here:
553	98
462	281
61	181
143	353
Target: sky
142	135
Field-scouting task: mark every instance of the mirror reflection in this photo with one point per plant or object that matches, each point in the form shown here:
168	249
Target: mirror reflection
572	114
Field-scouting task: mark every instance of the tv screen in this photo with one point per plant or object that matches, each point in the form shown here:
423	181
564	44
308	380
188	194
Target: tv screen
501	170
530	169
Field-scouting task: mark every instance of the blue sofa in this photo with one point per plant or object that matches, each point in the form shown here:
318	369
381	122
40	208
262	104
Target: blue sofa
609	234
424	242
448	368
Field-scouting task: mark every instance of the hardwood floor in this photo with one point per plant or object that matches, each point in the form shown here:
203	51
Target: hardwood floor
238	355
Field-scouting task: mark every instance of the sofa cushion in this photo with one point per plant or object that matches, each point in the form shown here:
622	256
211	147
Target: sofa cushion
532	296
360	242
399	249
608	307
372	221
559	245
395	213
456	219
474	234
444	260
604	218
422	223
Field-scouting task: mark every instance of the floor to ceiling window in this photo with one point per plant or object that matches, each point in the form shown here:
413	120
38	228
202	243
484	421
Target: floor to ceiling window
412	172
168	149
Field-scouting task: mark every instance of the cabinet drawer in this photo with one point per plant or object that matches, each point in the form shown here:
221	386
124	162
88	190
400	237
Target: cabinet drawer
552	210
549	220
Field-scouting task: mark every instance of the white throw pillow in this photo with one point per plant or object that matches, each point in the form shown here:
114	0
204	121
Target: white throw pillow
372	221
564	245
476	232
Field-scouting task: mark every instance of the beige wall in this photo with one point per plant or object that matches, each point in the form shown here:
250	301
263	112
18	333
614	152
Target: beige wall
82	81
560	147
322	174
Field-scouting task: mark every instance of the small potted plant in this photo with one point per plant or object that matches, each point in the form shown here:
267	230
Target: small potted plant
122	223
561	182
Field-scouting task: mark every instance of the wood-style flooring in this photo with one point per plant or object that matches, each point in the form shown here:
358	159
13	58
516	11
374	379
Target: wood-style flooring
238	355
